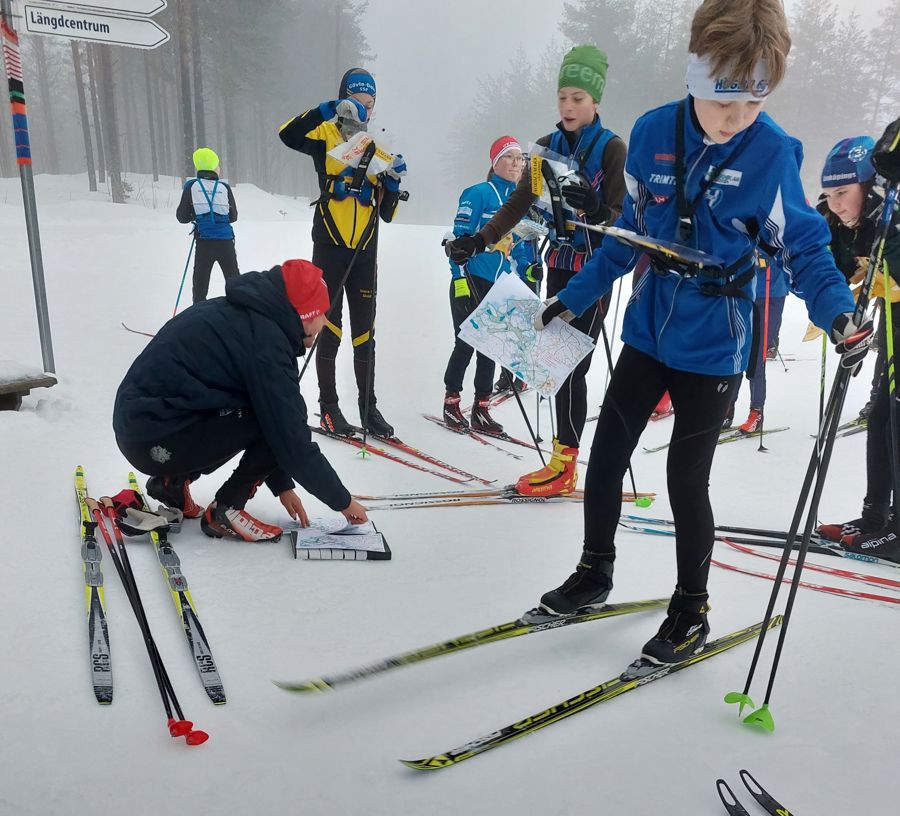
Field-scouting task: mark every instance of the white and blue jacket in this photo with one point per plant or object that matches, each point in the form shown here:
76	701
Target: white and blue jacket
208	201
477	205
757	194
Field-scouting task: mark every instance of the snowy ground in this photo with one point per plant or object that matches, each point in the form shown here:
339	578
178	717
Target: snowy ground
270	617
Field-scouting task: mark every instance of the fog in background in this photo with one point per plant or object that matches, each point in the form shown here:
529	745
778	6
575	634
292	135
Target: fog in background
451	78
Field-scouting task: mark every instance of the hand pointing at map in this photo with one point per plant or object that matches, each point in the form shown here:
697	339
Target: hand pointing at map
549	309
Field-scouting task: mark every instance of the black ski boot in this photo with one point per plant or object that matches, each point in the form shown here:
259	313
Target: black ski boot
729	418
482	419
374	422
683	632
333	421
453	415
883	543
874	517
587	587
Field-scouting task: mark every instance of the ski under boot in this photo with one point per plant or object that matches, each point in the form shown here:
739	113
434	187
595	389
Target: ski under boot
453	415
874	517
333	421
174	491
663	408
586	588
684	631
557	478
374	422
481	417
222	521
754	421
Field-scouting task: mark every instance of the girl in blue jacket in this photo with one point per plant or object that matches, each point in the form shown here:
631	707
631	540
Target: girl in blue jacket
715	173
473	280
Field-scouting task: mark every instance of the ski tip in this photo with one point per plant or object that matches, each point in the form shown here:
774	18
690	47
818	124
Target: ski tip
305	686
196	737
761	718
179	728
428	764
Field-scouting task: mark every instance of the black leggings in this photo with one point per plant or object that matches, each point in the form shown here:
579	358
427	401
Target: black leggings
207	445
209	252
461	356
878	436
571	399
701	402
360	289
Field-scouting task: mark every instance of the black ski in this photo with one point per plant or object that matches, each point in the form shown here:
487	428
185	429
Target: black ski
734	807
765	800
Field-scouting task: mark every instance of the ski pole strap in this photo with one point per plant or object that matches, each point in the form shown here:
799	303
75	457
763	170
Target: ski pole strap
686	209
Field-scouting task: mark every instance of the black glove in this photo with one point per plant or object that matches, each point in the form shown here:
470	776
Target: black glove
852	341
584	198
886	157
550	309
460	249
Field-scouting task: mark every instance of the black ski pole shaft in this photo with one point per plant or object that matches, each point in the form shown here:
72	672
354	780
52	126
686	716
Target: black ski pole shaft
764	355
891	374
370	357
518	397
339	297
822	379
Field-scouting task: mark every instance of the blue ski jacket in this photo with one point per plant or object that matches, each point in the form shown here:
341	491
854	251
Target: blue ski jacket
477	206
237	351
209	202
757	195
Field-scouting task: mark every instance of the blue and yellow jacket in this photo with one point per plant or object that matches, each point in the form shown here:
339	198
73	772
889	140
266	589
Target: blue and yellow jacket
340	217
477	205
757	194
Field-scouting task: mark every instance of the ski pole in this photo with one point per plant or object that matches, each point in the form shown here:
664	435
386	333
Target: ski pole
765	354
818	467
370	357
184	274
891	374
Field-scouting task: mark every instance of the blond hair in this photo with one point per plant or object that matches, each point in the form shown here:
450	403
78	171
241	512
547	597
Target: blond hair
734	35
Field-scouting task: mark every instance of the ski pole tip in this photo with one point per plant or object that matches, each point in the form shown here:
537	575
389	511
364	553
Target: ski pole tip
180	728
643	501
196	737
741	699
761	718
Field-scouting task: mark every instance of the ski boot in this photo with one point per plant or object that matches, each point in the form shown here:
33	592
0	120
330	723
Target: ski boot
557	478
683	633
374	422
222	521
506	383
453	416
729	418
174	491
586	588
482	420
882	543
663	408
874	517
754	421
333	421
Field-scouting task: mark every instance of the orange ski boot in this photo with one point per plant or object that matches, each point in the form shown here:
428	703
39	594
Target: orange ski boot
557	478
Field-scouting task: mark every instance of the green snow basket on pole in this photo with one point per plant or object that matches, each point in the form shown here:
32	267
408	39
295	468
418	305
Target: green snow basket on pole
762	718
643	501
741	699
364	453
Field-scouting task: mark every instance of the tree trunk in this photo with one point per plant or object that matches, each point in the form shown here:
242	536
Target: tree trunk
83	114
199	116
231	142
91	53
49	142
163	101
111	125
184	69
151	119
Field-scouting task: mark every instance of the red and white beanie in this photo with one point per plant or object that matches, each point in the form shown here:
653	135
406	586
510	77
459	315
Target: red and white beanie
502	146
305	288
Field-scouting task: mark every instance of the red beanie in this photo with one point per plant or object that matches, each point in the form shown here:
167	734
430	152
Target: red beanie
305	288
502	146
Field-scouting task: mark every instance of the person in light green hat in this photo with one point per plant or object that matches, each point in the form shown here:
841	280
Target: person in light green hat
208	202
594	195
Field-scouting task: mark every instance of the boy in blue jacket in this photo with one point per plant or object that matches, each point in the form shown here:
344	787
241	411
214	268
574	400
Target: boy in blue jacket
209	202
472	281
715	173
219	380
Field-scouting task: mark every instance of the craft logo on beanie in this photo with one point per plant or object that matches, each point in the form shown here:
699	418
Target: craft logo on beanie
584	67
305	288
356	80
501	147
849	162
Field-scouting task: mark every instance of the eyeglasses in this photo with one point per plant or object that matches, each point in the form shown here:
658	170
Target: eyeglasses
514	159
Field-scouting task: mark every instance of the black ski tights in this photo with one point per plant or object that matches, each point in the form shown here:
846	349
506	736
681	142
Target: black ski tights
701	402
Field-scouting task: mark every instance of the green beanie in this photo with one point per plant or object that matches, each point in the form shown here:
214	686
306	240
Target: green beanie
205	158
584	67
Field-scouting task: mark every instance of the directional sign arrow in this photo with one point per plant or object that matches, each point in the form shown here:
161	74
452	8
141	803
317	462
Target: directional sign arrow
102	28
140	8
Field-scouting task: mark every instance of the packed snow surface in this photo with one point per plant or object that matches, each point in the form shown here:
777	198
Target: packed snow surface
268	616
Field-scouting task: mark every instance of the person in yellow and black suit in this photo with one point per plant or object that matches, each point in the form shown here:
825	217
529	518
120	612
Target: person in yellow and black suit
345	240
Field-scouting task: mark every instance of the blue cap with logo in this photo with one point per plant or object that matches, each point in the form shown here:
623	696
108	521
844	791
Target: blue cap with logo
356	80
849	162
